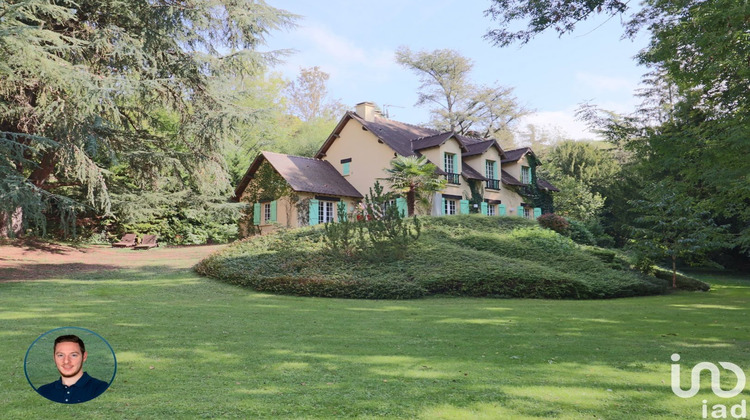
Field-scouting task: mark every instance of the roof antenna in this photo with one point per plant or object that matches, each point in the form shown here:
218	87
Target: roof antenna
385	110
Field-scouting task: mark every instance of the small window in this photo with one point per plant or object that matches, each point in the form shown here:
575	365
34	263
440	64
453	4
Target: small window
527	212
450	207
491	209
266	212
325	211
346	166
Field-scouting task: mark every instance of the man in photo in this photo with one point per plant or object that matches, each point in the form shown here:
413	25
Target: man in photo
74	385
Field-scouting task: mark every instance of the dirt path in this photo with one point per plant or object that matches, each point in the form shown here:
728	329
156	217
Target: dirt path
39	261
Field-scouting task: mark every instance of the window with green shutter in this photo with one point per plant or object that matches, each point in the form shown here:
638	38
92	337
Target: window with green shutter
501	210
273	206
484	208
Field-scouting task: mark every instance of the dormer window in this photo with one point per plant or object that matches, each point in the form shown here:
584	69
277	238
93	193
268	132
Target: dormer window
450	165
525	175
346	166
491	174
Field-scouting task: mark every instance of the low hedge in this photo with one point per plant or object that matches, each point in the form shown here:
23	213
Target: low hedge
683	282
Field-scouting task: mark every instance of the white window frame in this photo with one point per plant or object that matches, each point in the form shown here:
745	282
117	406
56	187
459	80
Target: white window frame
326	211
450	207
489	169
266	213
528	212
491	209
448	159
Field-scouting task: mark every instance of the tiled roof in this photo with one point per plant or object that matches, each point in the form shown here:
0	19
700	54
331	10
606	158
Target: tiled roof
407	140
545	185
431	141
516	154
470	173
509	179
303	175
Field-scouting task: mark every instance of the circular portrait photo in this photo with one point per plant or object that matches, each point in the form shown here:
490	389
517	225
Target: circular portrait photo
70	365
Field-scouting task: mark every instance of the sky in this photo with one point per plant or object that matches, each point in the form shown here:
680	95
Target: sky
355	41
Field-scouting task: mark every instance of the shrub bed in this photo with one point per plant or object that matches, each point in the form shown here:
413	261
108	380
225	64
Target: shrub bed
470	255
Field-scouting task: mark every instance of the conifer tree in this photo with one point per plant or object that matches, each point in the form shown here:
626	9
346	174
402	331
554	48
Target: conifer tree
137	87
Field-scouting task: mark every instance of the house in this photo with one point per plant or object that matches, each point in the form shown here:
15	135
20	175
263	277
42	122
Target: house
481	177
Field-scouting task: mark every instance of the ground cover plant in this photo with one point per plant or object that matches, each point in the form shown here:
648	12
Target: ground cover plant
470	255
192	347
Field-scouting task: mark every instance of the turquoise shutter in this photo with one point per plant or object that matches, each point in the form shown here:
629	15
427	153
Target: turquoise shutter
537	212
464	206
445	206
455	164
401	206
494	171
520	211
345	169
256	214
484	208
273	211
313	212
501	211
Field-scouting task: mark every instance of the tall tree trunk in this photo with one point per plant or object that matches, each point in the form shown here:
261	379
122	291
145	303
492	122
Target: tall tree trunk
410	198
45	169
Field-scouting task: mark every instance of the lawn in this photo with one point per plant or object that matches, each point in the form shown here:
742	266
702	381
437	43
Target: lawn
192	347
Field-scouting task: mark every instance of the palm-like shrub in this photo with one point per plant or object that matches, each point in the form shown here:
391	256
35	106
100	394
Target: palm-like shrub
416	178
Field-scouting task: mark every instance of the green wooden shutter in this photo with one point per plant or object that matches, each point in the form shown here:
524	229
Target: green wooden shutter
501	211
455	164
464	206
520	211
256	214
444	207
494	171
401	206
273	211
484	208
345	168
313	207
537	212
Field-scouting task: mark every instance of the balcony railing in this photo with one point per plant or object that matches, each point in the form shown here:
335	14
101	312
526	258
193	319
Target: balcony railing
493	184
452	178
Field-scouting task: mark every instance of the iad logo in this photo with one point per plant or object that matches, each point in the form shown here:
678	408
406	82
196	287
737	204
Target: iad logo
717	411
695	379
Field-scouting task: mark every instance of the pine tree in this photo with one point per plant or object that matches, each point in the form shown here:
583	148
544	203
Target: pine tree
138	87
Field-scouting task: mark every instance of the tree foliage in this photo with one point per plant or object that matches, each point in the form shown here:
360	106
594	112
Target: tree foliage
693	128
87	86
673	226
415	177
308	96
457	104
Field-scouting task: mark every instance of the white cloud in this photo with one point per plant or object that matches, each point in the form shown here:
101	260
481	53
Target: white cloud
562	122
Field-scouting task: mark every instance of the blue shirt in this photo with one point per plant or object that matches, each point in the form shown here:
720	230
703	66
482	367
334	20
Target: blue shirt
85	389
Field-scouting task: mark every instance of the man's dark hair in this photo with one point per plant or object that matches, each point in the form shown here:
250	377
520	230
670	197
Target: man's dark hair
69	339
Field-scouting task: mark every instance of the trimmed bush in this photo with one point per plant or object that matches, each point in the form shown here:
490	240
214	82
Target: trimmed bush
469	255
554	222
683	282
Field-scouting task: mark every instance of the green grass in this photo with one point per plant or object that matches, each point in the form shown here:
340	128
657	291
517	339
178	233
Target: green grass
192	347
455	255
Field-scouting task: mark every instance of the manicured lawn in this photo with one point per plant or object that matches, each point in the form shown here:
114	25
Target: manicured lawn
191	347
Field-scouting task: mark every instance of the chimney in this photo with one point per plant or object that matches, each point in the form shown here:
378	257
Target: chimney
366	110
